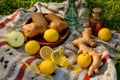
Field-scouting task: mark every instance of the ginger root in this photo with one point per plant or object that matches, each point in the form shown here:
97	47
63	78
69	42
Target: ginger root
39	23
58	25
37	27
52	16
56	22
85	45
39	19
31	30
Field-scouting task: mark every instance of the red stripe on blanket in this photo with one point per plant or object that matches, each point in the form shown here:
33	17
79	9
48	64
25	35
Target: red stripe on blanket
105	58
118	31
23	68
3	43
86	77
2	24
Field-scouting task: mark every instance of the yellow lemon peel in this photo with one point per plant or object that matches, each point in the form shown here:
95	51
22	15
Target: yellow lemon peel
36	68
60	59
26	64
49	76
76	69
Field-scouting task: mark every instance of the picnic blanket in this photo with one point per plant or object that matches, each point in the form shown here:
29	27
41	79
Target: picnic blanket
10	58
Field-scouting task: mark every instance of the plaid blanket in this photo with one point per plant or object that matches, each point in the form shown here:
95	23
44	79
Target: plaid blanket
11	69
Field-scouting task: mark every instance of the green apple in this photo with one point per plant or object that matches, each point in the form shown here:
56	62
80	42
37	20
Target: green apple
15	39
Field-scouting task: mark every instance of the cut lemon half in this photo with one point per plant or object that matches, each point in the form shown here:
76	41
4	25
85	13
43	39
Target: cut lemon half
45	52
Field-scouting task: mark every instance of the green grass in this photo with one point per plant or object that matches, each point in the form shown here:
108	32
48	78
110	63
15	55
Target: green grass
9	6
110	11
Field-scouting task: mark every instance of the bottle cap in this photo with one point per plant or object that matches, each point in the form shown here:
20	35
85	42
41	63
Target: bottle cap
97	10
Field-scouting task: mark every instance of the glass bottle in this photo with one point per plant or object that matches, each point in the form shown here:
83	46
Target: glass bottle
96	21
71	13
83	18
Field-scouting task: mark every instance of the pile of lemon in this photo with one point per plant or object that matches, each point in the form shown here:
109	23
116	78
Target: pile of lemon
32	46
47	66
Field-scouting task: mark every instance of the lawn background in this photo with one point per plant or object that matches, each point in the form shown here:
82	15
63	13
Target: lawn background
110	11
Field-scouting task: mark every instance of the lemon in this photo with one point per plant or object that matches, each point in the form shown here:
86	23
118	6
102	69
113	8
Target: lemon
84	60
45	52
51	35
32	47
47	67
104	34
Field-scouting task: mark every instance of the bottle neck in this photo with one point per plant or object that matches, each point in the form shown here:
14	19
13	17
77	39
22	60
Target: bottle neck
71	1
72	5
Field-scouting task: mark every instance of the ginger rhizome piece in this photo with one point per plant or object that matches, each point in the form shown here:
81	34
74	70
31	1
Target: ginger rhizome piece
58	25
37	26
85	45
56	22
31	30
